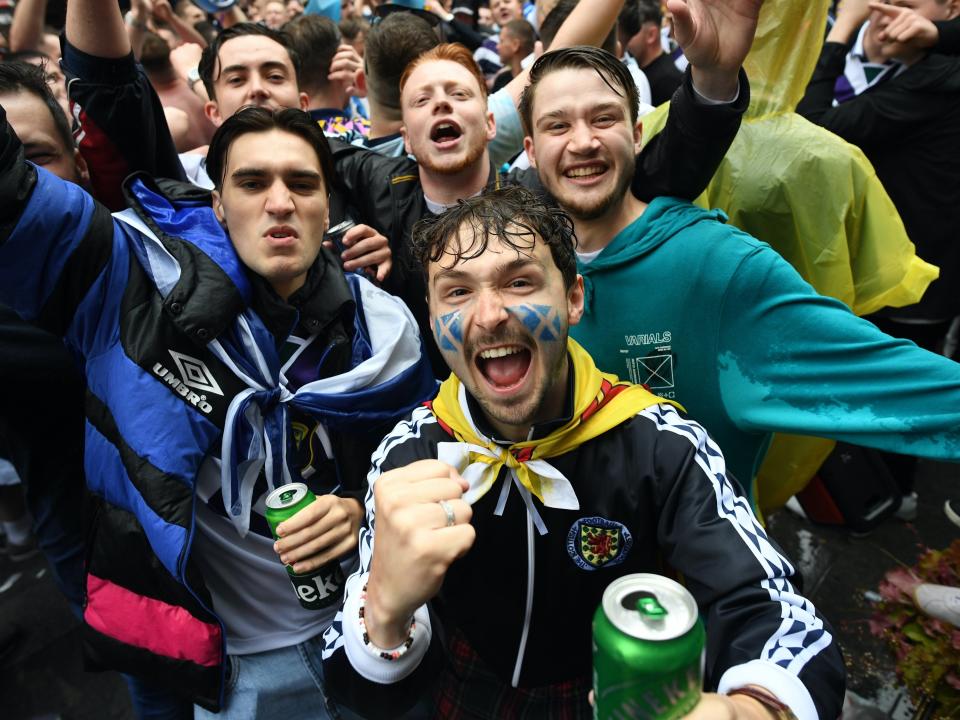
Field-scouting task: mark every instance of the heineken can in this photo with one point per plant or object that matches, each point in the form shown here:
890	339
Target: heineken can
647	650
322	587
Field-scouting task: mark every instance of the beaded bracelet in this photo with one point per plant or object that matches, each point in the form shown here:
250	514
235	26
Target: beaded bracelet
397	652
772	705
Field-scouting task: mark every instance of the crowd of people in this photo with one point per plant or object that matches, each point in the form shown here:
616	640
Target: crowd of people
421	258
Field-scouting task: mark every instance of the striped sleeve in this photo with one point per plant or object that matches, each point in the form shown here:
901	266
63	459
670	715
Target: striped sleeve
760	629
357	677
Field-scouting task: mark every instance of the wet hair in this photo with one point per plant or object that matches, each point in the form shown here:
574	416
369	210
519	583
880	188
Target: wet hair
260	120
453	52
554	19
211	53
19	76
580	57
514	215
315	39
389	47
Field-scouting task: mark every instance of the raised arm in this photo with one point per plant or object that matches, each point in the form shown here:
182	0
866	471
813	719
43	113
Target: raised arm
56	246
162	12
137	27
588	24
911	28
26	29
707	108
96	28
122	120
716	36
885	113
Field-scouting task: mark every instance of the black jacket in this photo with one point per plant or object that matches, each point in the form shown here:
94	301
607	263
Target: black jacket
949	39
909	128
657	481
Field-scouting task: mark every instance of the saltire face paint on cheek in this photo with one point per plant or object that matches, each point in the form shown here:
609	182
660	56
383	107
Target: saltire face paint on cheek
543	321
448	329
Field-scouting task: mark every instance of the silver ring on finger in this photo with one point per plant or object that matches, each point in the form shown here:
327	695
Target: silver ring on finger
448	509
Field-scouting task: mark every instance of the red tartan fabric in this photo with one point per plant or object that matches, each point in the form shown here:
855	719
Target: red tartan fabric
468	690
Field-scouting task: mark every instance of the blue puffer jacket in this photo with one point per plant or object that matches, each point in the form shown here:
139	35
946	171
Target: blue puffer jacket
179	366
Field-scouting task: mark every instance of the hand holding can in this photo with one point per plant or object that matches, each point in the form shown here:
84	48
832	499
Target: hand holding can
318	588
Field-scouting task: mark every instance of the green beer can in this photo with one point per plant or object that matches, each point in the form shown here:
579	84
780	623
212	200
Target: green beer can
322	587
647	650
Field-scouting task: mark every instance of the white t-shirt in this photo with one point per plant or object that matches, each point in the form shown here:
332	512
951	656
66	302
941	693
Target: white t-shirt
251	591
588	257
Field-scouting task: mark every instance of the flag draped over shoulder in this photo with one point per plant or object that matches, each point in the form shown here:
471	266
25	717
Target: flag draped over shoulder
601	402
388	378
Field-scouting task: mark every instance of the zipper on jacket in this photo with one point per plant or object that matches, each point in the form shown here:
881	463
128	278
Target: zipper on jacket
528	609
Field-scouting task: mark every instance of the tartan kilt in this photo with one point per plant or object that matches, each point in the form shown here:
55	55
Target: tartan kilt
469	690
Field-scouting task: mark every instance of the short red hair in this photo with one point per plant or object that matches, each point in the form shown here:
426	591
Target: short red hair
454	52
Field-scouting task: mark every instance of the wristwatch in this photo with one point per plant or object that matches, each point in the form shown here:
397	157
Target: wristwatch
193	76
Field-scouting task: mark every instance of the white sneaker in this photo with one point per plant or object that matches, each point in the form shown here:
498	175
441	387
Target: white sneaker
939	601
908	508
794	506
951	509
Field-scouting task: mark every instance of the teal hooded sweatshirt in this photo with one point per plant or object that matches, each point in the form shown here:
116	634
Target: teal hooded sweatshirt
711	317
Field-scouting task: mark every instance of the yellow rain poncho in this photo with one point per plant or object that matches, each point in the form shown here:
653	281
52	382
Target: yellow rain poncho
814	198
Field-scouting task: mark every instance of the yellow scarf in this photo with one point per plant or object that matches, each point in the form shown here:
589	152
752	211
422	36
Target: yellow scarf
601	402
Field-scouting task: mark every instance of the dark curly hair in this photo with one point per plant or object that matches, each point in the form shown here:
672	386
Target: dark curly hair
514	215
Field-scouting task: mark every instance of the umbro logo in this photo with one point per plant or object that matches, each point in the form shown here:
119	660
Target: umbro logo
192	373
195	374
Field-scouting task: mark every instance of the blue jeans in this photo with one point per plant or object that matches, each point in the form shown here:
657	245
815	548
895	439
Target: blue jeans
283	684
151	702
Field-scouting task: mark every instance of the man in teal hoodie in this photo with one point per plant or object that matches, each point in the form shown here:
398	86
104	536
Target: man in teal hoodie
707	315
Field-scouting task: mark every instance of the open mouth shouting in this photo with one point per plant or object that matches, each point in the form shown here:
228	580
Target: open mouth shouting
504	368
446	134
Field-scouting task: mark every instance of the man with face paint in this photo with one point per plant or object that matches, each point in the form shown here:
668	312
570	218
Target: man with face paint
499	512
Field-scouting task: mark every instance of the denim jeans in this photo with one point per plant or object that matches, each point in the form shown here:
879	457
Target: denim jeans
151	702
282	684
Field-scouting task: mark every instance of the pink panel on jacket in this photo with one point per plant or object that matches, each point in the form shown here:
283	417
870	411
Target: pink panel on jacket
153	625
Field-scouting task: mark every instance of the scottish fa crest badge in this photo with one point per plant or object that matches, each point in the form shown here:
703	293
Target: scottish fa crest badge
595	542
